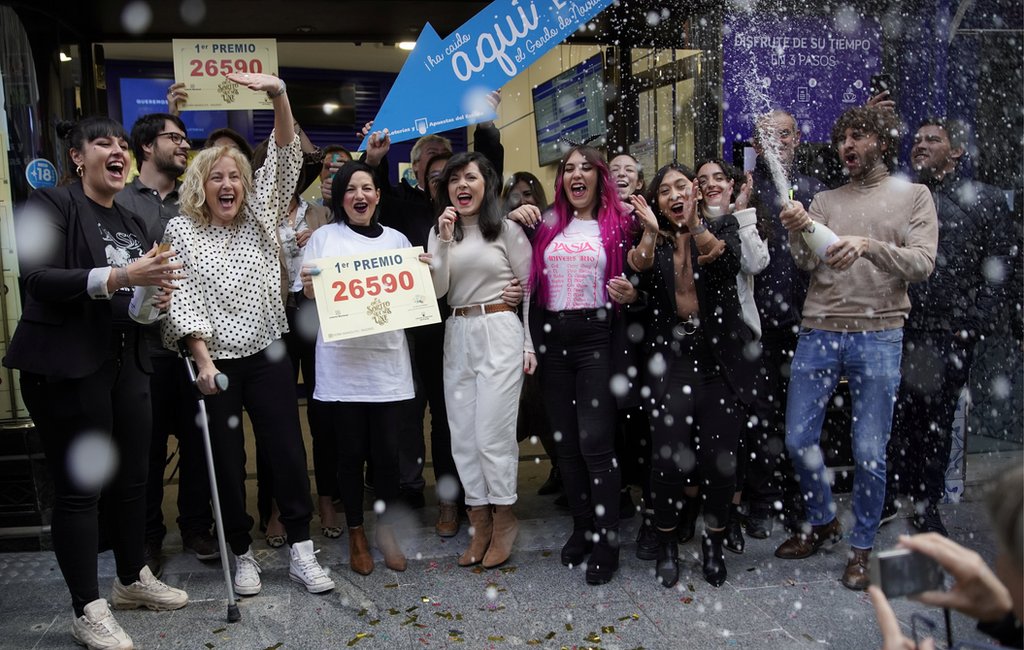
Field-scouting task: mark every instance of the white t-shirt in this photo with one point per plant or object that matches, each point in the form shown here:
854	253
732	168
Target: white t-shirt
374	368
575	263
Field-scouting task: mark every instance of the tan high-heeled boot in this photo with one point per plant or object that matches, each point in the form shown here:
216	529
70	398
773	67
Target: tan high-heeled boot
506	528
480	524
359	557
394	559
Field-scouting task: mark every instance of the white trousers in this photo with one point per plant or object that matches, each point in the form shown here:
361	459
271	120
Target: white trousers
483	374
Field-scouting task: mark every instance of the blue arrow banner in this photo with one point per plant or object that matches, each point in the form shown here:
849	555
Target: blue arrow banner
444	83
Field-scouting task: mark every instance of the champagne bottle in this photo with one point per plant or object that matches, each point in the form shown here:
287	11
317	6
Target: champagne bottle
819	237
141	308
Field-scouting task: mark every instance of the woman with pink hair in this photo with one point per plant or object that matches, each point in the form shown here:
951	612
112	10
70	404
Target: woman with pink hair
578	287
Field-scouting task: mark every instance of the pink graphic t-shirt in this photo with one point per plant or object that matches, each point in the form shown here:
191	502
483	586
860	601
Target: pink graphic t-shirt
575	265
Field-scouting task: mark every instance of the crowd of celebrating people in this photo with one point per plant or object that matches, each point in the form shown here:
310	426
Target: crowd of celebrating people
679	335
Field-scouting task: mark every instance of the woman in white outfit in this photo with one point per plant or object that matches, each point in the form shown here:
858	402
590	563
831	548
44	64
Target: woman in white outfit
476	252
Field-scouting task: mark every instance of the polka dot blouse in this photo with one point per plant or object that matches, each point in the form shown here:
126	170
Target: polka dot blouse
231	296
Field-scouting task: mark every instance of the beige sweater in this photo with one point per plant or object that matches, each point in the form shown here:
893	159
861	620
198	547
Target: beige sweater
898	219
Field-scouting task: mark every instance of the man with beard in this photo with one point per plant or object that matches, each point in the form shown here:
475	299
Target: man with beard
160	146
779	292
852	326
958	305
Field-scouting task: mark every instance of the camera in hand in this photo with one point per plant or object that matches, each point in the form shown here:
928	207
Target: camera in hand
902	572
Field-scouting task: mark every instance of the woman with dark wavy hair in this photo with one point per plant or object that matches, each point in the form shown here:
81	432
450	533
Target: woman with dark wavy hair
700	365
577	274
476	252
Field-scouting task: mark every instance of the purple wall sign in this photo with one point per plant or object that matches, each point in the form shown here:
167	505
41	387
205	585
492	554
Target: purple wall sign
808	66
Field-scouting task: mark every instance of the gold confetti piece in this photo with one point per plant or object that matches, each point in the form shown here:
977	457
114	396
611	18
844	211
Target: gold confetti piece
608	629
550	636
375	621
219	630
478	569
533	642
424	599
393	585
419	625
411	609
690	587
508	569
495	638
358	637
411	619
593	637
546	554
362	612
275	646
392	611
568	627
209	645
445	615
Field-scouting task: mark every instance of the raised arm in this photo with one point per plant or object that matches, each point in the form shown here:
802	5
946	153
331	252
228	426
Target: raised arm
284	123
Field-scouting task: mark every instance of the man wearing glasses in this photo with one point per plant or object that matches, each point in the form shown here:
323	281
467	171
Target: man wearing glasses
160	147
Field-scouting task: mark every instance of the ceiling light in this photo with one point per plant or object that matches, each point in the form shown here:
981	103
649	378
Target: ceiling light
330	108
64	58
407	45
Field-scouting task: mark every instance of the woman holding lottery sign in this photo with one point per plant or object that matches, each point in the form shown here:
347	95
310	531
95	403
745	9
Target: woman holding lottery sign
475	253
231	316
363	384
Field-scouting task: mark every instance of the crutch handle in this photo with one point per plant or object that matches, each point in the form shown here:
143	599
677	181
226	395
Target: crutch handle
220	380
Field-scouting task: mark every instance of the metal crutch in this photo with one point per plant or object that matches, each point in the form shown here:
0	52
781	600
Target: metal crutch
222	383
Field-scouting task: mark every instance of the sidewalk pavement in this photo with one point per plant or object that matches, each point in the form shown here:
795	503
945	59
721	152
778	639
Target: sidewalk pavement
532	601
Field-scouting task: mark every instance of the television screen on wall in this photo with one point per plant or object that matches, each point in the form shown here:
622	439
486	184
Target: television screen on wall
570	106
140	96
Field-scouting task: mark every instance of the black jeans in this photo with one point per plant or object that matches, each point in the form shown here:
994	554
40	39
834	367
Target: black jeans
365	431
575	367
266	388
112	405
769	476
695	427
936	366
174	413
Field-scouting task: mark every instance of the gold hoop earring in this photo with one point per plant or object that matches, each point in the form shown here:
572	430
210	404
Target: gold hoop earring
79	171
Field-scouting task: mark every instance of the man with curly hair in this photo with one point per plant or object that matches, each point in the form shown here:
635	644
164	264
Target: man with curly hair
852	325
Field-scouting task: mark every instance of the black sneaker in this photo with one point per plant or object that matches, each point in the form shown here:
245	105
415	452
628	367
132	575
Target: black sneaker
759	522
154	558
930	521
646	540
202	543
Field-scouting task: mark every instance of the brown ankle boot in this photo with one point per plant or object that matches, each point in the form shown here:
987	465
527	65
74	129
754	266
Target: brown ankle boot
394	559
447	519
856	575
359	557
480	526
506	527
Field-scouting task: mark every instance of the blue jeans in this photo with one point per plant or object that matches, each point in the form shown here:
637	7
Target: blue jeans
871	363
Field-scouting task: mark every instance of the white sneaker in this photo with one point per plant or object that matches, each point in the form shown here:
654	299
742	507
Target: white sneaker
247	575
306	570
96	629
147	592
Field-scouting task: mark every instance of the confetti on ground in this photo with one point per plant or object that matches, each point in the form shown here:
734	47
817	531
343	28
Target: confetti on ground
691	588
445	615
478	569
635	617
393	585
546	554
375	621
424	599
209	645
362	612
393	611
495	638
608	629
790	582
508	569
686	600
411	609
534	642
359	637
219	630
593	637
411	619
568	627
275	646
550	636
